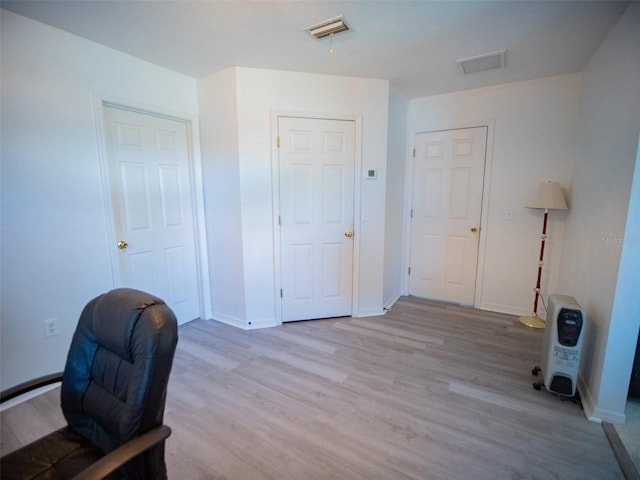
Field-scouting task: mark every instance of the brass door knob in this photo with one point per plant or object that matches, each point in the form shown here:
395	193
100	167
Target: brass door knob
122	244
474	229
348	234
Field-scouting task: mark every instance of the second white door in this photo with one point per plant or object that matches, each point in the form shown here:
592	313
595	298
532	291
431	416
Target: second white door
316	165
447	203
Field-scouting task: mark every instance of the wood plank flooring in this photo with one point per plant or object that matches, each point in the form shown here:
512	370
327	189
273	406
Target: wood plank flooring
428	391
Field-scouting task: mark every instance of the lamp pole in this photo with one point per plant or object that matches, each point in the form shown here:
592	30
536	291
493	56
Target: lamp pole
543	238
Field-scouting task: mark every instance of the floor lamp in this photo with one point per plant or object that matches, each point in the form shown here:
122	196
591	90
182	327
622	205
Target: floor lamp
548	197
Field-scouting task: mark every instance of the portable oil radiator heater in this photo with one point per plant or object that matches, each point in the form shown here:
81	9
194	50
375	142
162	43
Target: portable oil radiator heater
561	346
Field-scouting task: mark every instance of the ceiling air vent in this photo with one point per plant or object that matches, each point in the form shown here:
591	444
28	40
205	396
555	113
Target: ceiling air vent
328	27
479	63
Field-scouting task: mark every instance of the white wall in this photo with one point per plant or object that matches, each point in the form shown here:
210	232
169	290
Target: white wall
394	214
221	176
258	94
55	251
600	262
533	140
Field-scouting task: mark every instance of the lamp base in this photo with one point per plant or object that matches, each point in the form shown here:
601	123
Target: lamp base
533	321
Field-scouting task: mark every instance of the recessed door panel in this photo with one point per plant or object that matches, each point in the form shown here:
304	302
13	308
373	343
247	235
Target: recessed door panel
171	196
166	141
334	142
301	197
300	141
332	270
135	202
128	135
332	184
428	263
431	193
459	192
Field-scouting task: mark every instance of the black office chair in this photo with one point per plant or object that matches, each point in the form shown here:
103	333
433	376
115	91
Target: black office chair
113	392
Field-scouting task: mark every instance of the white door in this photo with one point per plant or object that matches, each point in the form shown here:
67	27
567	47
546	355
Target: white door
316	166
447	202
148	166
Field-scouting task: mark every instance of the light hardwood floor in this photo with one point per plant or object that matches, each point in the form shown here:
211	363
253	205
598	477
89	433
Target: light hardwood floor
428	391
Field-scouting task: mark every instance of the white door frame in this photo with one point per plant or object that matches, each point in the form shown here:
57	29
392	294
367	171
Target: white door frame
486	191
275	193
100	100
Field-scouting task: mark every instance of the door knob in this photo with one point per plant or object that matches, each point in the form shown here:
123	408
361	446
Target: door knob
348	234
474	229
122	244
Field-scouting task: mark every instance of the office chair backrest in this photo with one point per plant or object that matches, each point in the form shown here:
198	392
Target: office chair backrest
115	379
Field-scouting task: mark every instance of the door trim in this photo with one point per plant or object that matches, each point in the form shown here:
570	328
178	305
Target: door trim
275	202
486	190
101	100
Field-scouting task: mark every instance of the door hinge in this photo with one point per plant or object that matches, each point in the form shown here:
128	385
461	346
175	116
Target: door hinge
411	213
280	293
414	153
278	141
409	271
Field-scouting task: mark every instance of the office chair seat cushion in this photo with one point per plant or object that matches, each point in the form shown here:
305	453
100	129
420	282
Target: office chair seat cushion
60	454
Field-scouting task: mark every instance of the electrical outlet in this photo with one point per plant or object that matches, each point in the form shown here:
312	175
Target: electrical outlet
50	327
508	214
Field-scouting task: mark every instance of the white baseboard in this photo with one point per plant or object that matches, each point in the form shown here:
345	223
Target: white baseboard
508	309
391	301
600	415
593	412
244	324
588	403
373	312
262	323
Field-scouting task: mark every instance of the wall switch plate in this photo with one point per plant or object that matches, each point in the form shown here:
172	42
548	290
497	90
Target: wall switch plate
50	327
508	214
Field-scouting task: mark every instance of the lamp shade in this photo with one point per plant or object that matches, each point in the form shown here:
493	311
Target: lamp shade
550	196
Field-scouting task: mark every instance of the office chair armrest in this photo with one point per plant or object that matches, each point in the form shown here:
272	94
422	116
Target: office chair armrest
121	455
30	385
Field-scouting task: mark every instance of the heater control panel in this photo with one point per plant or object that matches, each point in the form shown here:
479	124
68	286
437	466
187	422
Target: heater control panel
569	326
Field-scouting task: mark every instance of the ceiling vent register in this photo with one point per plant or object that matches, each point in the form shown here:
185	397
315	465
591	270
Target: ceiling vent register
479	63
328	27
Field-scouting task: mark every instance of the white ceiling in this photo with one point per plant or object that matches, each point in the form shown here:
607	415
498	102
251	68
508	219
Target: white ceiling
412	43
